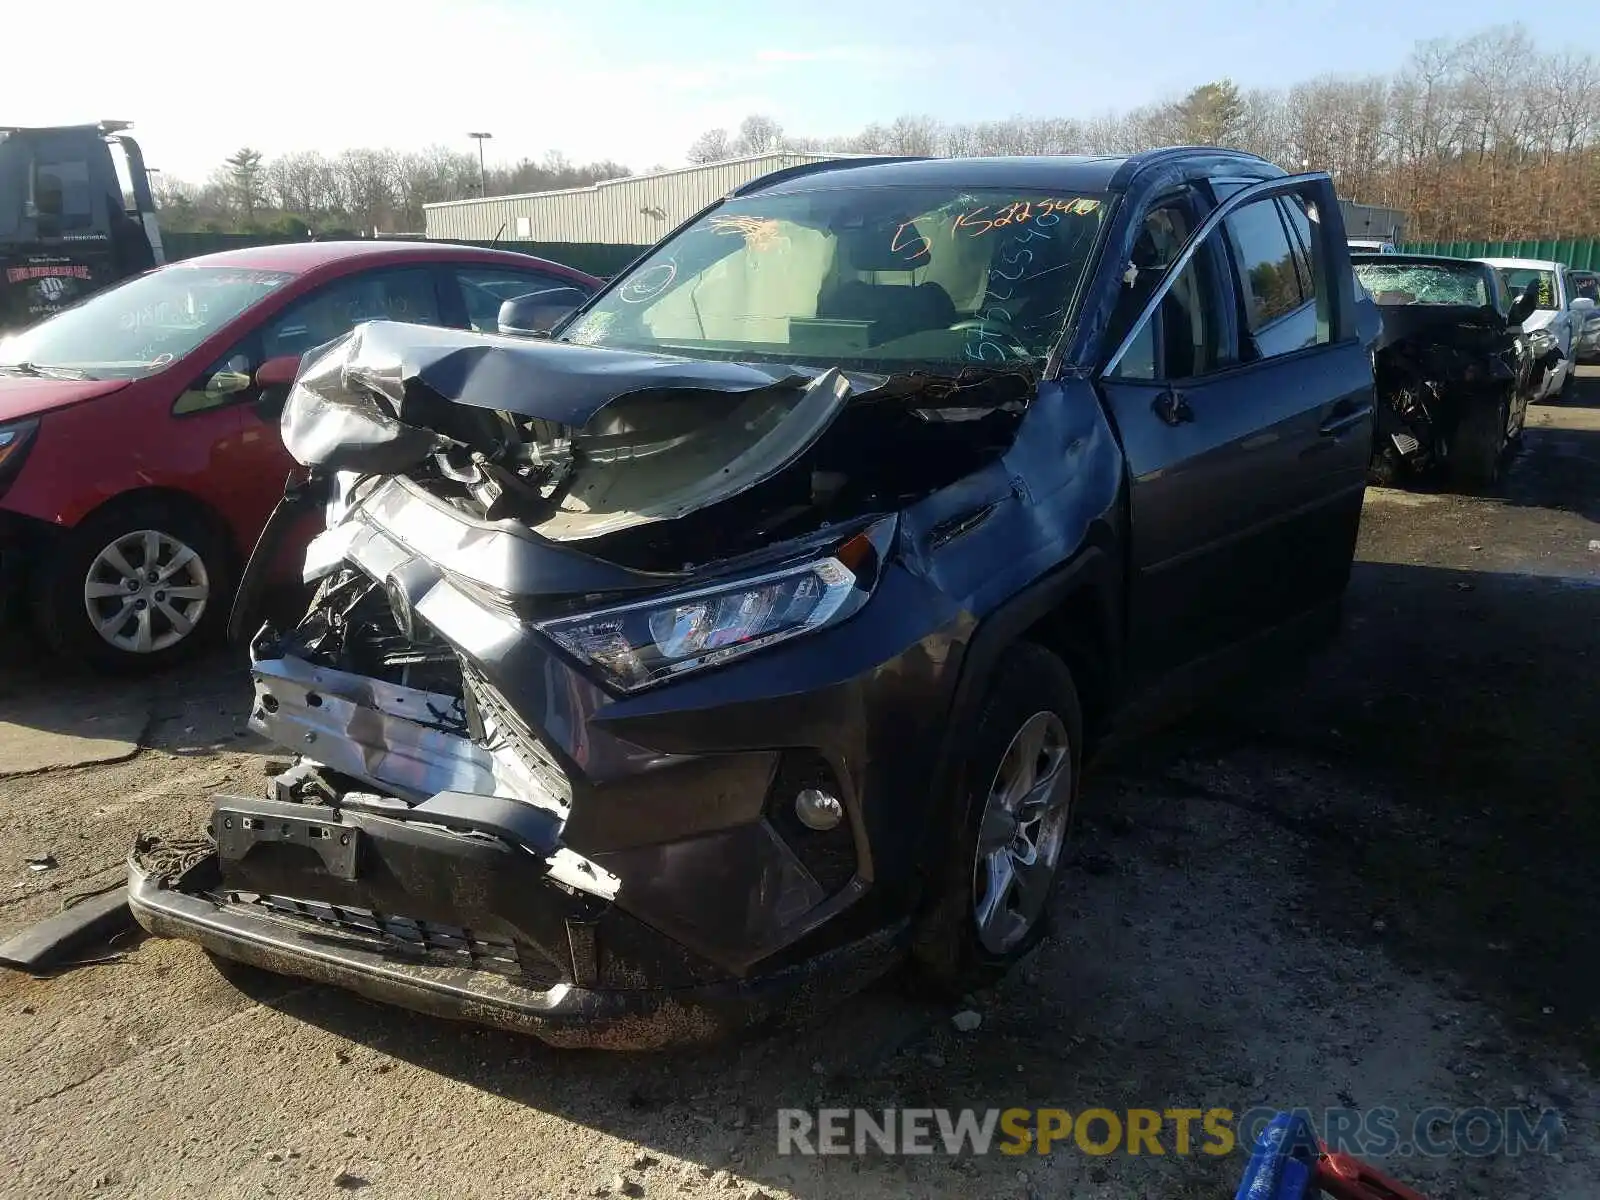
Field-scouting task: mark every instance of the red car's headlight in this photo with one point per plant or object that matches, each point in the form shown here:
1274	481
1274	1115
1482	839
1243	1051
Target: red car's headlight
15	439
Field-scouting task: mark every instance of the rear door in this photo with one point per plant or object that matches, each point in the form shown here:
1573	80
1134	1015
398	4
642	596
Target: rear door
1244	401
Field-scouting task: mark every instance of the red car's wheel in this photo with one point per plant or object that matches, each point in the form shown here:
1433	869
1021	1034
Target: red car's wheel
133	589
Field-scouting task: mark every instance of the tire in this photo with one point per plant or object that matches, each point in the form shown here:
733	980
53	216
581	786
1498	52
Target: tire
192	590
1387	468
1479	447
1031	693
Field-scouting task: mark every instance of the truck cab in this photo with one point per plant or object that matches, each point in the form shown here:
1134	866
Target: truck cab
76	215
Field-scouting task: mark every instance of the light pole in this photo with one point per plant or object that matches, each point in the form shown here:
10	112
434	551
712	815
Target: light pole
483	175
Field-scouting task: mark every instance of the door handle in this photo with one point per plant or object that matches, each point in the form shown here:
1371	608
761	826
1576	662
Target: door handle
1172	407
1344	419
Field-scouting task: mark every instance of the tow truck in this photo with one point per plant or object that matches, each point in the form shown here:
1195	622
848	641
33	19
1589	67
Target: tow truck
71	222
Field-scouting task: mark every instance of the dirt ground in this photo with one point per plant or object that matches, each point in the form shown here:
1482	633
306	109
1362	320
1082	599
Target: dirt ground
1362	884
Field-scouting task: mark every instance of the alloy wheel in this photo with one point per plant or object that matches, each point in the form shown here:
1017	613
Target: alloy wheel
146	591
1021	832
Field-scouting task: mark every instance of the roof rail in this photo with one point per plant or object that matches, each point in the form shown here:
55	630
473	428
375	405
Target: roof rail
1148	158
799	170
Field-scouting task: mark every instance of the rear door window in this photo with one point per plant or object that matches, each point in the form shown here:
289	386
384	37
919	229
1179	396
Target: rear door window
485	289
407	294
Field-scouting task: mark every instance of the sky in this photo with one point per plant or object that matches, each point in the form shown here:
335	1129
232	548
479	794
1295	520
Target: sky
636	81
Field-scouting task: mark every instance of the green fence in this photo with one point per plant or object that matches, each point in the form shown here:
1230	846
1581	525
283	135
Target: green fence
595	258
1580	253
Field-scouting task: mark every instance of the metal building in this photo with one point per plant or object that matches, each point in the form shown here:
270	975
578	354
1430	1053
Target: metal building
635	211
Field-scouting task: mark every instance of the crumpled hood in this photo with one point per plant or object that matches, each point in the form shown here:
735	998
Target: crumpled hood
24	396
1539	318
369	401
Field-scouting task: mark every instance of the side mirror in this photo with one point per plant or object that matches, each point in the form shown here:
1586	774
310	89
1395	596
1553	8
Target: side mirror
273	378
538	313
1582	304
228	383
278	372
1524	305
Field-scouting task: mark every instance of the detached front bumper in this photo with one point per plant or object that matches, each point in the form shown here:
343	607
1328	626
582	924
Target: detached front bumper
561	1014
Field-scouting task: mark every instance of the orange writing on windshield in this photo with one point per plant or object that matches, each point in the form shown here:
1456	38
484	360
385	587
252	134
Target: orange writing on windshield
908	244
760	233
978	221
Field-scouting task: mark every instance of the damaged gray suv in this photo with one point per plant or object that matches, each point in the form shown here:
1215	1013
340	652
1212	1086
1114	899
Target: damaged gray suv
741	638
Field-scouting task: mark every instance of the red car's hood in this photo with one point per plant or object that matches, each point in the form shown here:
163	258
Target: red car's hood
23	396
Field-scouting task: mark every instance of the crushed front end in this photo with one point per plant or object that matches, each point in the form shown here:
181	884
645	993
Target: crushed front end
622	758
1434	364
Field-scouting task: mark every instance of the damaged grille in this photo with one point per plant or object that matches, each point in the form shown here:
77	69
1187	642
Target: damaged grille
485	701
420	941
351	625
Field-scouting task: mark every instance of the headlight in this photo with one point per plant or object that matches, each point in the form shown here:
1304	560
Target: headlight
636	645
15	439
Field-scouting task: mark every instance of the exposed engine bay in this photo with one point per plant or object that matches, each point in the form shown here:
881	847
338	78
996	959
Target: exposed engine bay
585	446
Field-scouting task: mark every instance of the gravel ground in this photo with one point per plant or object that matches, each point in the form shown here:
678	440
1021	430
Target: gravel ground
1361	884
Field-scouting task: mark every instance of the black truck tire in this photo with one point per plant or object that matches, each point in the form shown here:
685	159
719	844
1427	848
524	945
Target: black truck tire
1031	689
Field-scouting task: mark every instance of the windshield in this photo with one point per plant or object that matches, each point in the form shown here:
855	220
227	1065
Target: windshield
139	327
877	277
45	178
1518	278
15	164
1425	283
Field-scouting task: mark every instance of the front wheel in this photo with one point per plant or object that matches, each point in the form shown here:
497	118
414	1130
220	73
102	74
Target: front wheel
989	900
134	589
1566	377
1479	447
1387	468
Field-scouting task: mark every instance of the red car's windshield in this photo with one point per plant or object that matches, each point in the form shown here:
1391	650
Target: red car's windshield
139	327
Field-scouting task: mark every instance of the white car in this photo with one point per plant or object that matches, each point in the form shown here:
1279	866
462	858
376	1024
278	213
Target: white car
1560	310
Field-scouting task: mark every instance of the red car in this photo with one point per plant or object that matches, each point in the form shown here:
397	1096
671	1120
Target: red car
139	446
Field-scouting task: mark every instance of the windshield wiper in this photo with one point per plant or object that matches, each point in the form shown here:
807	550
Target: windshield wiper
35	371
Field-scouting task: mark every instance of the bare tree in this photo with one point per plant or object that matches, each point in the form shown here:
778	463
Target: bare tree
368	182
303	182
758	135
713	145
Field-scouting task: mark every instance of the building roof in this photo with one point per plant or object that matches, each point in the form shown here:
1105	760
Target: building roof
645	178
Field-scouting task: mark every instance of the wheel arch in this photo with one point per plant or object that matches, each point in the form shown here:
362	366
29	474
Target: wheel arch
1075	611
176	498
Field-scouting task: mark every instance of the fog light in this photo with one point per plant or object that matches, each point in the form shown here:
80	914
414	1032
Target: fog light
818	810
